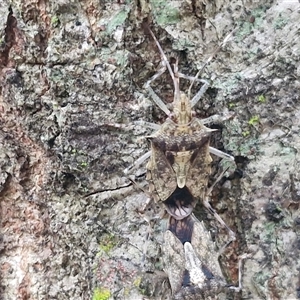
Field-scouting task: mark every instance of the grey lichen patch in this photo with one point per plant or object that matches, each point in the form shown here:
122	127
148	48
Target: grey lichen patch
273	245
227	86
274	212
61	84
280	22
117	58
154	287
117	20
243	139
260	281
111	26
117	272
184	43
245	26
165	13
120	265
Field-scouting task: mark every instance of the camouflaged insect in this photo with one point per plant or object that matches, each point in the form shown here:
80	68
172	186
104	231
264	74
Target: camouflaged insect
179	159
180	148
191	261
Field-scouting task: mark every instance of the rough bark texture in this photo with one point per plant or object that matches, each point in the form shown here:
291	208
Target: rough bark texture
68	69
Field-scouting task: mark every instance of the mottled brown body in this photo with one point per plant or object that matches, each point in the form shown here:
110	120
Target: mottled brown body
180	148
177	172
179	158
191	260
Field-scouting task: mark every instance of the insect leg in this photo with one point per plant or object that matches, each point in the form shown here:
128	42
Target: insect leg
215	214
220	220
131	126
137	163
154	96
199	94
174	75
240	286
167	65
221	154
192	78
148	124
215	119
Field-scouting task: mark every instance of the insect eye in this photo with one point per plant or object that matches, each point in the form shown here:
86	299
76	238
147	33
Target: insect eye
172	116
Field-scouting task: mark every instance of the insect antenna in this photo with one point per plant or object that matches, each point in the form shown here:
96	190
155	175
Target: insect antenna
175	76
222	44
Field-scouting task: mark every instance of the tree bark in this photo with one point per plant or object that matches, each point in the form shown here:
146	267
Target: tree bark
71	71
